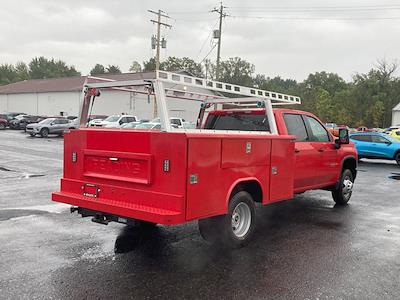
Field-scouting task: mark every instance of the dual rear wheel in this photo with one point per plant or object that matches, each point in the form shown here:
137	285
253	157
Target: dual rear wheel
234	229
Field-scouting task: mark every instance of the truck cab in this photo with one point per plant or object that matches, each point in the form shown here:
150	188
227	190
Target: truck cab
318	159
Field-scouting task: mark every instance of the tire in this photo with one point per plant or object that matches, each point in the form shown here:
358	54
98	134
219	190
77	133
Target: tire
397	158
2	126
143	225
32	134
342	194
44	132
235	229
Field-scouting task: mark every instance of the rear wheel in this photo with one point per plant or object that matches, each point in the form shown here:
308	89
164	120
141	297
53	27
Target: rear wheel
44	132
234	229
397	158
143	225
342	194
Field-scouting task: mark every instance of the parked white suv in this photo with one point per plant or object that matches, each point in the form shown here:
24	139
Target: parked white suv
178	122
114	121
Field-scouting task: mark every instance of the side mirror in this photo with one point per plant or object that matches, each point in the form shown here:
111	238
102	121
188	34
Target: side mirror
343	137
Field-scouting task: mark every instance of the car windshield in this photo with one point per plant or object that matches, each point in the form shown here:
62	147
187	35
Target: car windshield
392	140
46	121
112	119
145	126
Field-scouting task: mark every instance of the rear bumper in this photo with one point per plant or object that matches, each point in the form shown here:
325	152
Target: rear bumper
123	209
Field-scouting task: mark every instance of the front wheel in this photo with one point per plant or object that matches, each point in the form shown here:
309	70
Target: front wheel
397	158
234	229
342	194
44	132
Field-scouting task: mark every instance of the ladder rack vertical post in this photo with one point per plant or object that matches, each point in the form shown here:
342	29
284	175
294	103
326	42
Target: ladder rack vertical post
160	97
271	118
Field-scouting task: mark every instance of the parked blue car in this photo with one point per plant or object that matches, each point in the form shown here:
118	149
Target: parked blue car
376	145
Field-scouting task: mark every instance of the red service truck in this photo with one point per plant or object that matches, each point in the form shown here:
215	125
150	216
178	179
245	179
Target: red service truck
242	152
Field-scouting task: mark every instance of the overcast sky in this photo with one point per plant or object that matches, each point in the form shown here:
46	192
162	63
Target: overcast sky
289	38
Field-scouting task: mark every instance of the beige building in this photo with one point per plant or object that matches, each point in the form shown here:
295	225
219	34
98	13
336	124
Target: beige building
62	96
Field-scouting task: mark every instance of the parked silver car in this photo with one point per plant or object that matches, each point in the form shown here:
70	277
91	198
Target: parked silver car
50	126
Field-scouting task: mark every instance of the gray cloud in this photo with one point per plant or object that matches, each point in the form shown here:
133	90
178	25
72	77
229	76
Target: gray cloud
84	33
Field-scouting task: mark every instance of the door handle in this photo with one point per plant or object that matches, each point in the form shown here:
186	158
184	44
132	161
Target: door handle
296	150
321	150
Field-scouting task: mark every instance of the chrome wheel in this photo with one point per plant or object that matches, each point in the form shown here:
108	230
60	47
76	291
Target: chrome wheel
347	187
241	220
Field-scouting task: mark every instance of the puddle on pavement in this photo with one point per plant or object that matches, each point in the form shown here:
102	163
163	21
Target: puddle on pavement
32	175
395	176
18	174
5	169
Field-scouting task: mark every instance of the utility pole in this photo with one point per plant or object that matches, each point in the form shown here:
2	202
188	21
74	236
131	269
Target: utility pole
156	42
221	13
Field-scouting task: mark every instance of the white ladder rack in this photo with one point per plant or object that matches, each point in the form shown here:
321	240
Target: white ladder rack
217	86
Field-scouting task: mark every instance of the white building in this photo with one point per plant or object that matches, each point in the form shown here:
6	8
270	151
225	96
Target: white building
396	115
62	96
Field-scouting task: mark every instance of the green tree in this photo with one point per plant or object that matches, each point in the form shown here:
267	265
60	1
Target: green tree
98	69
149	65
112	69
22	71
41	67
173	63
7	74
276	84
324	105
135	67
236	71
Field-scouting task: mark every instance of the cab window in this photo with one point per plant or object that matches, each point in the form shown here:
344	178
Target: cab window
318	132
361	138
295	126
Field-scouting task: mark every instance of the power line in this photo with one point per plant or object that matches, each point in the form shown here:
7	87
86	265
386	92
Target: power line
315	7
205	41
213	47
314	18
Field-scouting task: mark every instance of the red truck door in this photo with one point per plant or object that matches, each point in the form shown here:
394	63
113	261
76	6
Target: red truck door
306	163
322	142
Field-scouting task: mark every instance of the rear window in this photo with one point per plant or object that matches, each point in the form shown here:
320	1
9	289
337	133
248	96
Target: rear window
238	122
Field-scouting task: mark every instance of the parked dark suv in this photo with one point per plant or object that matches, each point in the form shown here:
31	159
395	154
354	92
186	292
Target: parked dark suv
9	116
3	123
21	123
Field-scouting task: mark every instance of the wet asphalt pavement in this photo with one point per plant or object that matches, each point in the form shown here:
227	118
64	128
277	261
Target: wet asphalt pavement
303	249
